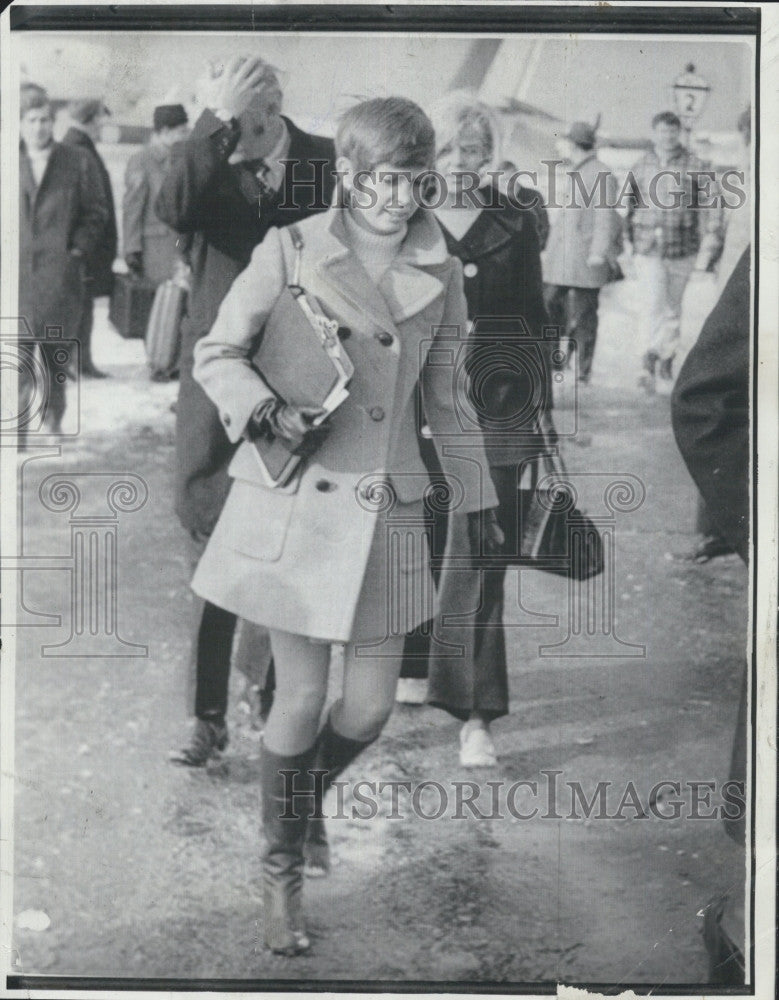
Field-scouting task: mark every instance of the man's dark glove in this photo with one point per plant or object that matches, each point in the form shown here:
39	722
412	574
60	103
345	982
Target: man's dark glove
135	262
484	533
291	424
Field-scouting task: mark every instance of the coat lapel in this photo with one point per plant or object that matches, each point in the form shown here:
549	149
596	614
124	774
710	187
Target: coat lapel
51	167
409	286
27	181
341	269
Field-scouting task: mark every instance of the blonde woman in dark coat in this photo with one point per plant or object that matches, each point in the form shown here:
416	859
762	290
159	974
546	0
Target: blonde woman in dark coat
339	555
509	363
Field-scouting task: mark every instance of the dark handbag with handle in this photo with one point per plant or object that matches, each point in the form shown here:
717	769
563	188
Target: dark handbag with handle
554	535
130	305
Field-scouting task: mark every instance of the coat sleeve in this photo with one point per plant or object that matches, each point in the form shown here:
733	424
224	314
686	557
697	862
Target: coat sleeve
603	229
710	410
194	163
462	455
93	214
223	358
136	195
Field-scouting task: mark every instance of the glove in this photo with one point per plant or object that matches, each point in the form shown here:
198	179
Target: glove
135	262
484	533
291	424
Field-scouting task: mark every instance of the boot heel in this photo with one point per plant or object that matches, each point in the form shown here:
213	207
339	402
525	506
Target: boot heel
283	931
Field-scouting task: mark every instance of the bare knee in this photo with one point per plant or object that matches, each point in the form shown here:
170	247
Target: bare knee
363	722
304	703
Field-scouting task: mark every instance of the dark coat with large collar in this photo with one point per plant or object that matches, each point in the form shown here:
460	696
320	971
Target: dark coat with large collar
66	212
710	410
100	262
510	354
205	196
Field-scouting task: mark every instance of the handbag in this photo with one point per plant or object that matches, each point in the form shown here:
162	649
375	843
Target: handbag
554	535
301	359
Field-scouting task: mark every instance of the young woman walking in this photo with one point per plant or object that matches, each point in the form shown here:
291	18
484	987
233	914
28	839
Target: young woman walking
339	555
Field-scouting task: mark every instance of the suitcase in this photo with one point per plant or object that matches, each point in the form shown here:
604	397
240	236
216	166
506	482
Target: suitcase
163	331
131	302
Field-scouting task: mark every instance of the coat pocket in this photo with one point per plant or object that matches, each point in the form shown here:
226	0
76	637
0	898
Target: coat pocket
255	520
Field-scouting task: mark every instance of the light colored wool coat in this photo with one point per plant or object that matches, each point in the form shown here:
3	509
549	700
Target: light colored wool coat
295	558
580	230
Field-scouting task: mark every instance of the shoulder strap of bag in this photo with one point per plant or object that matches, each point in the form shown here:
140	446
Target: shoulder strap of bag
325	327
297	243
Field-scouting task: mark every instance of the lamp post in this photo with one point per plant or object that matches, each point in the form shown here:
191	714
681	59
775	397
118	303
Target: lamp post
690	94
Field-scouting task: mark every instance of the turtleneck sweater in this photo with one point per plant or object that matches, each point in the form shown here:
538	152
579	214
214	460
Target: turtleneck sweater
376	251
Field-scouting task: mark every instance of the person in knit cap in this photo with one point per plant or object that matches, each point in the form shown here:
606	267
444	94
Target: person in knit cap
583	246
151	248
87	117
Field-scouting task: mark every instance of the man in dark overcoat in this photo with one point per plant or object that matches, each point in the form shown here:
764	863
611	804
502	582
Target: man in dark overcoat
710	415
61	221
244	169
87	119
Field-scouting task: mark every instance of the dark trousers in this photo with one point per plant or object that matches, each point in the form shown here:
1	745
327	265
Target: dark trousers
84	331
575	312
416	649
42	381
475	680
212	651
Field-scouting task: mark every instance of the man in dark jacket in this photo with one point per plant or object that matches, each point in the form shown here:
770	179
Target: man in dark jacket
151	249
244	169
87	118
710	415
61	221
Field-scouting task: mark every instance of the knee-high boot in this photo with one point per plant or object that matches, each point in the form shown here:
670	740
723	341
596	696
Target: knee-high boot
334	753
286	804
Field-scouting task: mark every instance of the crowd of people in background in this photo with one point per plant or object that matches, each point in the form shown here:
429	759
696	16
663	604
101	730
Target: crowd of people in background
212	200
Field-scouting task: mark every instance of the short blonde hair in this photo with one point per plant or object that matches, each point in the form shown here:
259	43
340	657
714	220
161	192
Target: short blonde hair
460	110
390	130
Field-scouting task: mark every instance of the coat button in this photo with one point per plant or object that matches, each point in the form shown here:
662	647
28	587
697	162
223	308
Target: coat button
325	486
376	413
344	332
470	270
226	419
385	338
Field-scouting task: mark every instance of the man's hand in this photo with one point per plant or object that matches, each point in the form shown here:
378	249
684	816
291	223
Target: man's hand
484	533
594	260
294	425
230	89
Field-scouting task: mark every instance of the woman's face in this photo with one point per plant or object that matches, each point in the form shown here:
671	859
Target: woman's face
467	153
385	198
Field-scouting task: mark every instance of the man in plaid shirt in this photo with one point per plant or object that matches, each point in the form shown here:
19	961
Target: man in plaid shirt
673	224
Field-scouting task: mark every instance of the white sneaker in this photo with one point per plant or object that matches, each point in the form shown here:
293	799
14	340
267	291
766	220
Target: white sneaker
476	746
411	691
